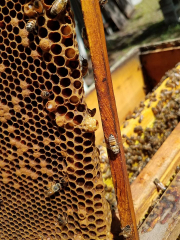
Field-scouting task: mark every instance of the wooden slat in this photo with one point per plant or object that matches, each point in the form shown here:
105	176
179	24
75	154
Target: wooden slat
161	166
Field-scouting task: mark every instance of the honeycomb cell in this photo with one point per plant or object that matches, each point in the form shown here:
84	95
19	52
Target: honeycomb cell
56	49
55	37
41	21
53	25
70	53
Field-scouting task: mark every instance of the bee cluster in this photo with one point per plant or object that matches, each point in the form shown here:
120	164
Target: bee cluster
161	109
146	140
106	173
50	178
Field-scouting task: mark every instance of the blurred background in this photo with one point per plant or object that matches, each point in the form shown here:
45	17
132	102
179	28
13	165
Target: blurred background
130	23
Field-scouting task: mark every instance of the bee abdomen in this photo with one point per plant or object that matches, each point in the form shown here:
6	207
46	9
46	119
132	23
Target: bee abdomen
30	26
113	144
58	6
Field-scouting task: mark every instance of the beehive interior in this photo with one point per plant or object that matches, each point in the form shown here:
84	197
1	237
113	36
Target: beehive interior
150	124
45	140
146	129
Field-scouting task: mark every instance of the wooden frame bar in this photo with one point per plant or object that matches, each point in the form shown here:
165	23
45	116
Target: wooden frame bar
110	122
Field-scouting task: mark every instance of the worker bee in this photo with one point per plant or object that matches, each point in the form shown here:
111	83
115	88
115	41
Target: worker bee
147	147
45	94
134	169
63	220
125	124
149	104
108	188
129	161
84	67
159	185
140	119
31	25
113	144
53	188
126	232
38	6
107	174
92	112
103	2
85	38
105	167
177	169
58	6
155	111
142	104
147	160
138	129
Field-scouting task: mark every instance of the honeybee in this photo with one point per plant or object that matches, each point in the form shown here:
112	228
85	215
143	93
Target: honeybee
177	169
159	185
58	6
84	67
107	174
113	144
38	6
53	188
85	38
138	129
63	220
92	112
103	2
45	94
142	104
129	161
140	119
31	25
147	147
147	160
125	124
126	232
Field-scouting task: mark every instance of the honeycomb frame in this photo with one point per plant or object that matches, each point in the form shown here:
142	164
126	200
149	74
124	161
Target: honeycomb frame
44	140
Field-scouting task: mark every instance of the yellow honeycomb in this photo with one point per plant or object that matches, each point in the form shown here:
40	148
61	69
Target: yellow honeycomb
50	180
